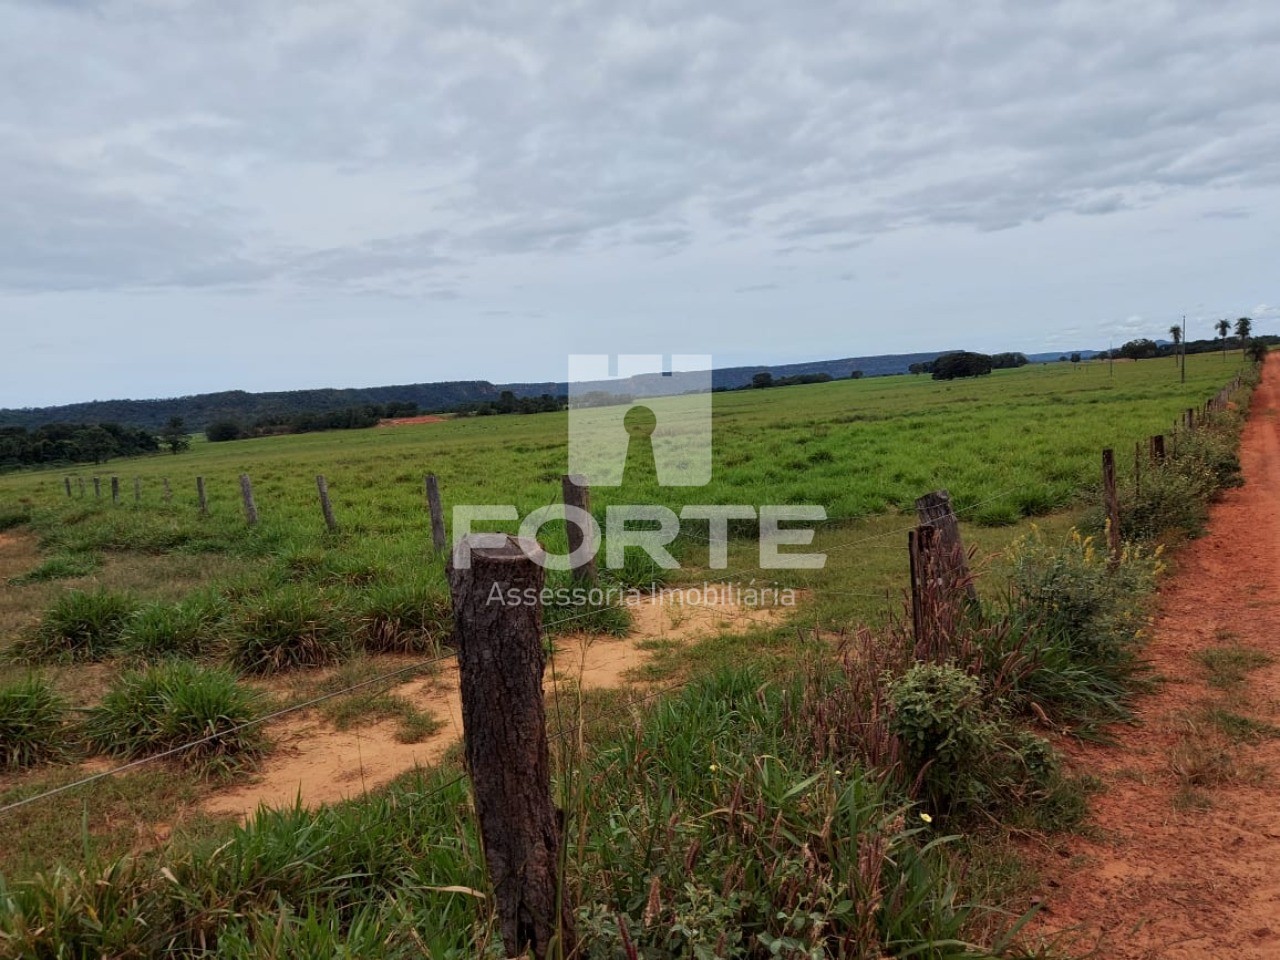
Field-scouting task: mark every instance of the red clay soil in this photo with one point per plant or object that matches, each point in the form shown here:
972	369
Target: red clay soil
410	421
1171	873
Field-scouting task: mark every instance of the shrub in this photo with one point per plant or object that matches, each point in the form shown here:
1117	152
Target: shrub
62	566
32	724
182	629
175	703
404	618
81	625
1083	618
937	716
290	628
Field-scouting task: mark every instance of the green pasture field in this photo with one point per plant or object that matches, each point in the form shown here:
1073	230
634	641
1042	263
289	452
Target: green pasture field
1013	448
1019	443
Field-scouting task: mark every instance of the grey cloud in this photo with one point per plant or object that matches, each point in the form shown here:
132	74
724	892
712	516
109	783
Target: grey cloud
554	130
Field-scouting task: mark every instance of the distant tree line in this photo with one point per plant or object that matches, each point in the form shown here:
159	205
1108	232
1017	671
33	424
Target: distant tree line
966	363
346	418
56	443
508	402
764	379
1147	349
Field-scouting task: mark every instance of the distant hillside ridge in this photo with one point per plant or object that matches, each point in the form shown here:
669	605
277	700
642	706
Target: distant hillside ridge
199	410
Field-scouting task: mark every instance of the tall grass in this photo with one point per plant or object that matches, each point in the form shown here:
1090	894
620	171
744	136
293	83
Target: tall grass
176	703
292	628
81	625
33	724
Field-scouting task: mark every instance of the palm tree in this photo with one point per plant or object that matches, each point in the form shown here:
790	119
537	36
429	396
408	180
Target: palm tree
1224	328
1176	332
1244	327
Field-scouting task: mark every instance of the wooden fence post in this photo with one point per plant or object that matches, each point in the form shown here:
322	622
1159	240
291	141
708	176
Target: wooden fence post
115	489
577	493
439	539
66	481
97	488
137	489
326	507
1137	467
1157	448
168	491
1112	501
915	557
246	493
80	480
500	664
200	496
934	510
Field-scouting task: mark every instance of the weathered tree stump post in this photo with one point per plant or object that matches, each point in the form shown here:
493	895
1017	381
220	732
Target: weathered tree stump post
1112	500
577	493
66	481
934	510
137	489
919	582
500	662
168	490
115	490
1157	448
246	493
326	507
201	497
439	538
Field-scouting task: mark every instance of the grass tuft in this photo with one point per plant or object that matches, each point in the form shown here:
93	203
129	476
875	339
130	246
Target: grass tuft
1228	666
33	725
179	702
286	630
81	625
61	566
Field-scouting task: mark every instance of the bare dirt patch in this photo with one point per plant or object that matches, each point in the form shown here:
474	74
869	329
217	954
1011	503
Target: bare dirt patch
1186	860
319	764
410	421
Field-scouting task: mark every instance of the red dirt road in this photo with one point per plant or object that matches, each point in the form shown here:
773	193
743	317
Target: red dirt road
1171	874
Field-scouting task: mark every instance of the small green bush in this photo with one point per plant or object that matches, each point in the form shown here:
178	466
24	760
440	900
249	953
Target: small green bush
287	629
185	629
404	618
937	715
175	703
32	724
81	625
62	566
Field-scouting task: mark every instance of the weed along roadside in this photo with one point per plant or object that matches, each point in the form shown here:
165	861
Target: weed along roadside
793	783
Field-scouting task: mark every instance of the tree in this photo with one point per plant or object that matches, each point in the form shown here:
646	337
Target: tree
855	374
961	363
1140	349
1244	329
175	436
762	380
222	430
1223	327
1075	358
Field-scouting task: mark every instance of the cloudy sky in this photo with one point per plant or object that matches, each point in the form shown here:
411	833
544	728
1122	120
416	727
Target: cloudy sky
263	195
